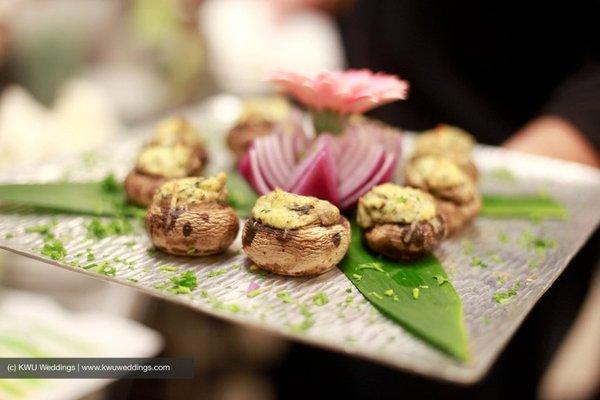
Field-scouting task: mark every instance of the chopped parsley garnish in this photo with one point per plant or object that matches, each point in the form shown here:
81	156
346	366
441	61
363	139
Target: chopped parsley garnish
376	295
167	268
184	282
495	258
308	321
109	184
234	308
253	293
320	299
502	277
503	237
216	272
180	290
43	229
105	268
285	297
54	249
537	243
8	236
478	262
415	293
304	325
97	229
507	296
440	279
468	247
151	251
374	265
134	280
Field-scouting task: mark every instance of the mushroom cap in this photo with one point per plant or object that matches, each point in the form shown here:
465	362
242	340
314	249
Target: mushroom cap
444	140
309	250
241	135
406	241
140	188
171	162
176	130
196	230
391	203
442	177
141	185
457	216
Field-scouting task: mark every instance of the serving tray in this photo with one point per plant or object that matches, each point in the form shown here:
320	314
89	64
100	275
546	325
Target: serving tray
499	267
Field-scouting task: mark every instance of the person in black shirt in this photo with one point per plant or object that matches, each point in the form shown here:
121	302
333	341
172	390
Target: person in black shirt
521	73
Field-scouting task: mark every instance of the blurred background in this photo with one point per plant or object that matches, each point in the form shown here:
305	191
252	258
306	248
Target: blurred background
76	74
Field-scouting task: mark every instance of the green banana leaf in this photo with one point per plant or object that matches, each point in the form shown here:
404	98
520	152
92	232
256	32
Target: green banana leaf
525	207
104	198
416	295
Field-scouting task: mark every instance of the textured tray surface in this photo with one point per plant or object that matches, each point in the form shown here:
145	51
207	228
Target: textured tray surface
347	322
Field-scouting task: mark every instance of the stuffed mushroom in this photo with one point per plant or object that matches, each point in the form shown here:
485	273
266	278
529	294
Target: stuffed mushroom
155	166
178	131
455	192
175	151
295	235
448	141
241	135
400	222
191	217
258	118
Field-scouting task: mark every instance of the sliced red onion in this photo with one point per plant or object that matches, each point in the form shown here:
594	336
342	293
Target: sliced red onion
338	169
364	170
384	174
256	179
319	179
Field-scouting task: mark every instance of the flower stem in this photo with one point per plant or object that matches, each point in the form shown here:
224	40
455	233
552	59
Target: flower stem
328	121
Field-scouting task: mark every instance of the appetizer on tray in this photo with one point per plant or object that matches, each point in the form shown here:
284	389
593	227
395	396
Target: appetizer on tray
295	235
328	196
191	217
257	119
400	222
175	151
455	192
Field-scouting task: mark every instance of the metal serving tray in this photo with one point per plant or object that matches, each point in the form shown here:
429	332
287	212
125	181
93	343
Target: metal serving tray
347	323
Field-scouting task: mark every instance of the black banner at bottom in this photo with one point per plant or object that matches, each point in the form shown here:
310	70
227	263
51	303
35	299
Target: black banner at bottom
97	368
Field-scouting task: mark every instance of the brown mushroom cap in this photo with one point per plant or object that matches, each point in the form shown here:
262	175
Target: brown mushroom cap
442	177
198	230
140	185
456	195
443	140
406	241
190	216
140	188
241	135
457	216
309	250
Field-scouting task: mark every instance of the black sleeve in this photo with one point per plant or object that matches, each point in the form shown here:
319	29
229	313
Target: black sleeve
578	101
